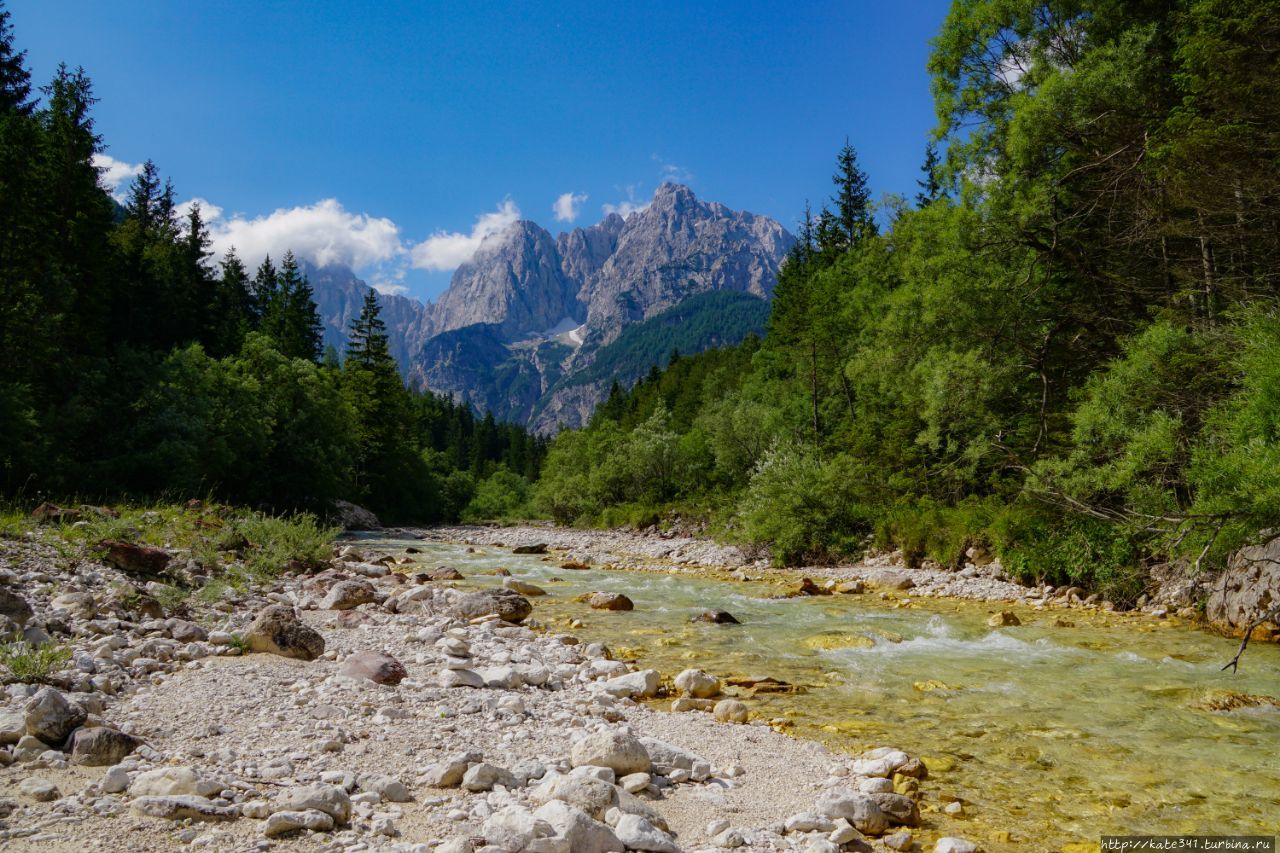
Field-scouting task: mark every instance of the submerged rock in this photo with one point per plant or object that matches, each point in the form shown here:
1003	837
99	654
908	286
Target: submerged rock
1003	619
716	617
540	548
610	601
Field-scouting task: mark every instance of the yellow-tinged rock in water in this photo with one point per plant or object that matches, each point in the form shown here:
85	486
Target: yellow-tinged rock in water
1230	700
1063	623
1004	619
829	642
1000	836
939	764
887	635
1079	847
931	685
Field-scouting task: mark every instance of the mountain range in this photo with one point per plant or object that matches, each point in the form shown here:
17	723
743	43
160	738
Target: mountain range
536	328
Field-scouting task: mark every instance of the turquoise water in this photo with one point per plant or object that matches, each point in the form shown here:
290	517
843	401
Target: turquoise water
1052	734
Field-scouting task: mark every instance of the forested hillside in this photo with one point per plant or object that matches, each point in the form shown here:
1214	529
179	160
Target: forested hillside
130	365
1066	349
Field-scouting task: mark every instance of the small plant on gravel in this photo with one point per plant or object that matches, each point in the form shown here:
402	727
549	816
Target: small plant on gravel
239	642
170	597
28	663
14	522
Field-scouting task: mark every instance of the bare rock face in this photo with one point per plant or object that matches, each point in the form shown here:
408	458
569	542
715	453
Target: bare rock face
541	309
514	282
1248	589
353	517
277	630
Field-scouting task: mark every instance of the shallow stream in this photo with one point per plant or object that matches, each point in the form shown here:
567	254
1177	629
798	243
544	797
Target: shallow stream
1052	733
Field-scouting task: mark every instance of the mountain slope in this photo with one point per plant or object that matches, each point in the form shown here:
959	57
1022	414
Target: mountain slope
529	312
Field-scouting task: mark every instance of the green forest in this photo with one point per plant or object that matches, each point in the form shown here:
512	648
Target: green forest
1065	348
132	367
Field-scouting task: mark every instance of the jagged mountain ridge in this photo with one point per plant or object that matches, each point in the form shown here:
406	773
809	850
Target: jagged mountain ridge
528	310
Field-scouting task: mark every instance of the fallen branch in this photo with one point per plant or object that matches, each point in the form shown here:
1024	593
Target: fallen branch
1234	663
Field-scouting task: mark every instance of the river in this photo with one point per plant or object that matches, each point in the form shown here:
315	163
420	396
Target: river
1069	726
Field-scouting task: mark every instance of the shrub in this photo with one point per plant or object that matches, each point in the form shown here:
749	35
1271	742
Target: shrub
30	663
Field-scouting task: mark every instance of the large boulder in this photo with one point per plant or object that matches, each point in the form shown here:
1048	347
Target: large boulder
698	684
345	595
100	746
136	559
1248	589
378	667
51	717
610	601
319	796
859	809
506	605
584	834
174	782
352	517
278	630
593	796
616	749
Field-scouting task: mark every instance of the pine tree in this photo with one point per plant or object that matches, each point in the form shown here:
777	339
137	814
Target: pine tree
930	185
264	291
852	198
367	345
15	80
231	314
143	202
297	326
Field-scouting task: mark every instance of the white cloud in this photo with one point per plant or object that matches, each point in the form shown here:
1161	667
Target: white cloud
568	205
627	206
447	250
672	172
114	173
208	210
323	233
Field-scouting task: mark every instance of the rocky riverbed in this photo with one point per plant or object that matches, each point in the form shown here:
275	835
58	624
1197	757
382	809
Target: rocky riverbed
370	706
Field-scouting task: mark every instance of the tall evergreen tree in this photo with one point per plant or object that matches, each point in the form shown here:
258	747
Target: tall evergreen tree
930	185
367	344
263	291
852	198
15	80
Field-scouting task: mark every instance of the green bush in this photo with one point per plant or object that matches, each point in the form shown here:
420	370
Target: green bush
503	495
29	663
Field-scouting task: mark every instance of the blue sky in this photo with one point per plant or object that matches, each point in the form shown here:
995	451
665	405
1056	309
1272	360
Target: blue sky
357	131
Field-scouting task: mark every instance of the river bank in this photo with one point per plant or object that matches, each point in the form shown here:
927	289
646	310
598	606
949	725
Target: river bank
399	717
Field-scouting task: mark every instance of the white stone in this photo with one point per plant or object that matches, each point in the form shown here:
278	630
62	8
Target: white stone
291	821
698	684
951	844
638	834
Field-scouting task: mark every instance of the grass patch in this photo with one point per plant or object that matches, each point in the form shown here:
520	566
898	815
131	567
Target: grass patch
28	663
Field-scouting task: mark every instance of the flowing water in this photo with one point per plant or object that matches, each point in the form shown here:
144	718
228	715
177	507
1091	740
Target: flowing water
1051	733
